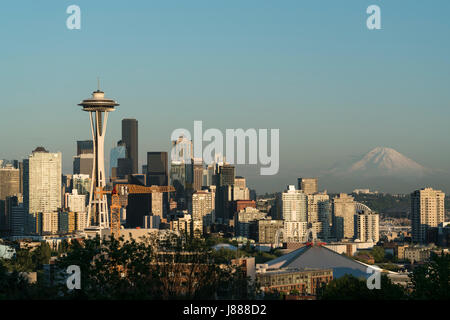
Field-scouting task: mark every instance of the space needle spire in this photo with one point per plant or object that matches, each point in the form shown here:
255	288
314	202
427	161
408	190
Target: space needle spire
98	107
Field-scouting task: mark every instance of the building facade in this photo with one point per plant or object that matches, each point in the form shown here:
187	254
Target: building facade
427	211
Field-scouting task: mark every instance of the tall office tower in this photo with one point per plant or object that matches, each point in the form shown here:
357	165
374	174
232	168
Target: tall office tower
157	169
130	138
308	185
85	147
344	211
9	182
83	163
226	174
42	181
18	220
367	226
5	214
202	207
197	176
427	211
98	107
84	160
294	206
119	152
319	214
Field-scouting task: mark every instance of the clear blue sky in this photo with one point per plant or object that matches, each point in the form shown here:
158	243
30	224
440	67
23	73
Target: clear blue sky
310	68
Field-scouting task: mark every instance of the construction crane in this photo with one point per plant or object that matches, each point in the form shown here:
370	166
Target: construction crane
119	197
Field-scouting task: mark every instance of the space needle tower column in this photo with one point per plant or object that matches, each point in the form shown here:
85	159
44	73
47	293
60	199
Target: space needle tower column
98	107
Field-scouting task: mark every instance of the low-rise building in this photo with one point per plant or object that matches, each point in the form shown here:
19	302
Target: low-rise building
287	280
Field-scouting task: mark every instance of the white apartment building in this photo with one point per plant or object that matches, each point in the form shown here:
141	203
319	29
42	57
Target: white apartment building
367	227
294	214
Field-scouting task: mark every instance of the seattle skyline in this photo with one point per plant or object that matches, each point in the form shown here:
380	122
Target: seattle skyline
333	88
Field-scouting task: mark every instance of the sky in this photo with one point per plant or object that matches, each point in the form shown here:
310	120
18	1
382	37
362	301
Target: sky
309	68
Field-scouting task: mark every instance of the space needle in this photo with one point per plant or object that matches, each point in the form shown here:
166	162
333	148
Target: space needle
98	107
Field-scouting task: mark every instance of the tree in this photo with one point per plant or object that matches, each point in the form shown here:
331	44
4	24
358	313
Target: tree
431	281
378	254
349	287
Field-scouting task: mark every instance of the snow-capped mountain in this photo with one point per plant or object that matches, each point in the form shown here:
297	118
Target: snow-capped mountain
387	162
383	169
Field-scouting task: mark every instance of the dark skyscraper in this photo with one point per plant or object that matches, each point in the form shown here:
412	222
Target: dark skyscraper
85	146
130	137
157	169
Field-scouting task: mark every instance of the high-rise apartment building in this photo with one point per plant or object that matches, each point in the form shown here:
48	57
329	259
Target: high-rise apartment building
294	214
367	227
308	185
50	222
42	181
344	211
130	138
427	211
319	214
202	207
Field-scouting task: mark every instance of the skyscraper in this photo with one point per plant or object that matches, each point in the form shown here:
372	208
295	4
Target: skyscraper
42	181
197	176
130	138
9	182
119	152
344	211
427	211
308	185
157	169
84	160
85	147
